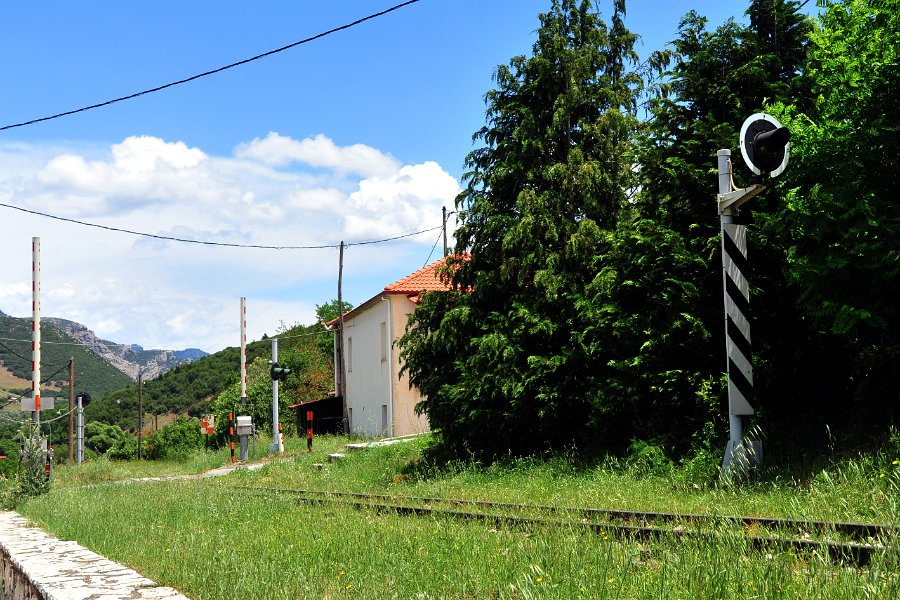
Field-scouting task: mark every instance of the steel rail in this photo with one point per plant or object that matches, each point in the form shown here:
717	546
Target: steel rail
621	523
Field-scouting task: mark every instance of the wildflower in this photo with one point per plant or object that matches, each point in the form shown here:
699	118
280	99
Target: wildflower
168	551
882	475
349	586
896	462
611	580
539	579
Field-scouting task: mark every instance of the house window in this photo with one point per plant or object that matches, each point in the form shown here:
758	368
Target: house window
350	355
384	348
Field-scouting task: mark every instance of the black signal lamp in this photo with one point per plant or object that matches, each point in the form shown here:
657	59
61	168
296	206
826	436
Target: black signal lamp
279	372
765	144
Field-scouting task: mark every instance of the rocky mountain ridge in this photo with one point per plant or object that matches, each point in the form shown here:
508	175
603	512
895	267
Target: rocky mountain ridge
127	358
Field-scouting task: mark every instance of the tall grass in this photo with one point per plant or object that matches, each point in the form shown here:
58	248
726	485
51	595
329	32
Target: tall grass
212	540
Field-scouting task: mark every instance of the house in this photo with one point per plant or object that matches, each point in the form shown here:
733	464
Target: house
380	402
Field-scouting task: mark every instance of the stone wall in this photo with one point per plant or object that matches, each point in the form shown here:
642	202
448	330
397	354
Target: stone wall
36	566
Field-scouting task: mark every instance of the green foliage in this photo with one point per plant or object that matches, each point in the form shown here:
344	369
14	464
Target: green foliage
580	320
100	437
33	480
174	441
192	388
326	313
92	374
124	448
10	450
647	458
838	222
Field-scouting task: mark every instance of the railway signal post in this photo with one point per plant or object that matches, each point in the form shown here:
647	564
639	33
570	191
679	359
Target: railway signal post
765	147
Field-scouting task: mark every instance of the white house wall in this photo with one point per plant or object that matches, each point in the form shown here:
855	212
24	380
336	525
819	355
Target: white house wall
378	401
368	377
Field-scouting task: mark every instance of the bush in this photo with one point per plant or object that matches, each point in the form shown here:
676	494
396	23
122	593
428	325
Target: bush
647	458
124	448
100	437
174	441
8	465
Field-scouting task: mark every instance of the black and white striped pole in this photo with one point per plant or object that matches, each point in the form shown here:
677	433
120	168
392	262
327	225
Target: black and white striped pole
764	146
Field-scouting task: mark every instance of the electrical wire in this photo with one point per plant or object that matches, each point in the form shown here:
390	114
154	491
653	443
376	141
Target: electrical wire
209	243
13	352
432	250
212	72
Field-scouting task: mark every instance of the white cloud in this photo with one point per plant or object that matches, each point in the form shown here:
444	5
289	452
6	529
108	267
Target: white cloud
408	200
319	151
166	294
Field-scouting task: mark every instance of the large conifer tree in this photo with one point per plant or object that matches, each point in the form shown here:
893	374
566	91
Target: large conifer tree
508	367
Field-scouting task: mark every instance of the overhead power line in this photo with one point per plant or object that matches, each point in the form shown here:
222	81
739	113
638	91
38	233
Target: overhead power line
209	243
212	72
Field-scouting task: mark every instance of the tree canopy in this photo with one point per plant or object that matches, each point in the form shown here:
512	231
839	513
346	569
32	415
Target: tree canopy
586	307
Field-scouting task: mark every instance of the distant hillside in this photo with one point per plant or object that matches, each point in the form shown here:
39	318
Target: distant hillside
189	387
127	358
92	373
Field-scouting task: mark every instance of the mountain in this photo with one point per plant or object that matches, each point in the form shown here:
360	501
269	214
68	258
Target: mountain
92	374
128	358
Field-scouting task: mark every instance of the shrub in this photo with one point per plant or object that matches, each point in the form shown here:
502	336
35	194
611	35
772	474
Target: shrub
124	448
647	458
174	441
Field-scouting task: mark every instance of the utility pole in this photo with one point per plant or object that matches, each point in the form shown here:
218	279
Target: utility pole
444	213
140	415
71	408
36	330
275	447
244	351
342	376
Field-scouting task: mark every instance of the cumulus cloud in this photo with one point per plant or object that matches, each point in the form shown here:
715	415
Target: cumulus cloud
407	200
319	151
274	191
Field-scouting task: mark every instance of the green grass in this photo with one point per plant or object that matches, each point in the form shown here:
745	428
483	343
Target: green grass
211	540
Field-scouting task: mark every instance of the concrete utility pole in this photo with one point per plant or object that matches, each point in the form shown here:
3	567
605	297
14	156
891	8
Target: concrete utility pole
276	446
140	415
79	457
244	351
71	407
36	329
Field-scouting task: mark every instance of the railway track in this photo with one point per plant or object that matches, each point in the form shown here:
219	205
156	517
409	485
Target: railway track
841	541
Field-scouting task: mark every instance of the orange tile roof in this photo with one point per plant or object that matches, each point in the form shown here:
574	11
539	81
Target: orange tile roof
425	279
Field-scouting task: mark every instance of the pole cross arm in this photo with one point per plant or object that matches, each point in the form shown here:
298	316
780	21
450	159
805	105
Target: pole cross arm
732	201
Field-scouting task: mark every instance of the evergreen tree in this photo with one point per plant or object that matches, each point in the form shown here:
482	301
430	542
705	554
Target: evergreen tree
510	362
719	79
838	221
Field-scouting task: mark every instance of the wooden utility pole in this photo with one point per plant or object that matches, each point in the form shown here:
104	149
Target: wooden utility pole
140	415
342	373
444	212
71	408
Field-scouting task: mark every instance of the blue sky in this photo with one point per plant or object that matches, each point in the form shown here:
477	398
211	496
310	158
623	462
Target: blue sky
358	136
